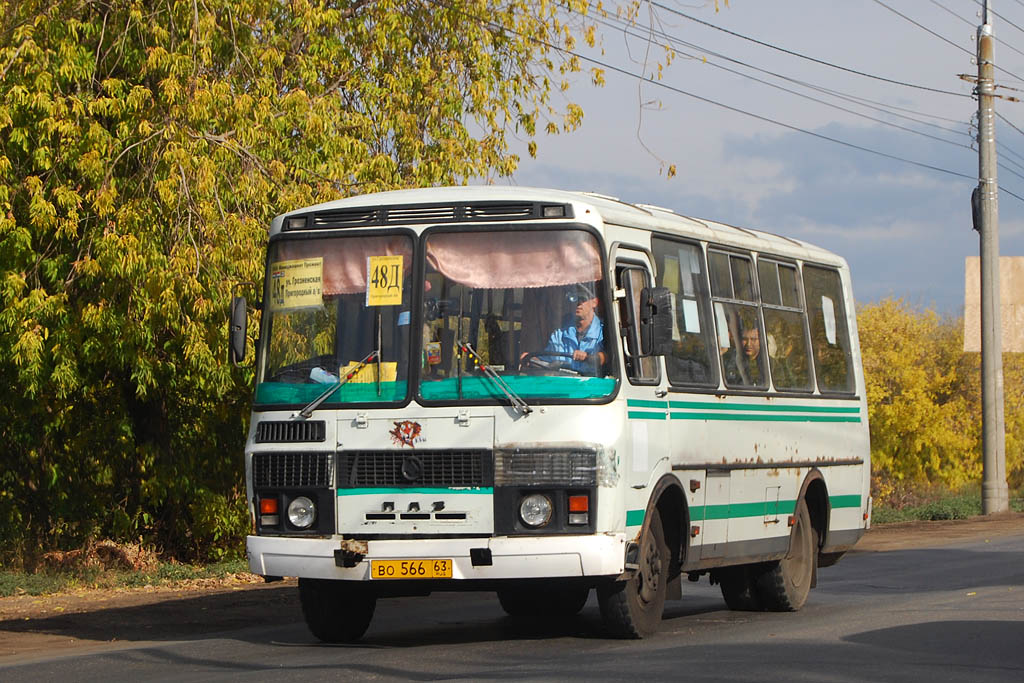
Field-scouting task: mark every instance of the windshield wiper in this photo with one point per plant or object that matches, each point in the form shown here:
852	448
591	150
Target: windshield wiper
315	403
515	399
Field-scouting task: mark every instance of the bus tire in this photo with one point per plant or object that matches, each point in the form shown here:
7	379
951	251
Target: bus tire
739	587
336	611
633	608
557	601
784	585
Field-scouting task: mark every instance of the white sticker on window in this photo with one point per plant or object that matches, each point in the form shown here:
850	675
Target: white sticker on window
691	320
675	323
828	312
723	327
639	446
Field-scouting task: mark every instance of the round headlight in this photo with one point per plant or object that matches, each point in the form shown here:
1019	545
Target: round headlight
535	510
302	512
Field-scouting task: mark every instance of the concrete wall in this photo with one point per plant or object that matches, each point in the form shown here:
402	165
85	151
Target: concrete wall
1011	292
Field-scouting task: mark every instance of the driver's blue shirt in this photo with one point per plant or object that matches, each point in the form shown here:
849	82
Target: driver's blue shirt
565	340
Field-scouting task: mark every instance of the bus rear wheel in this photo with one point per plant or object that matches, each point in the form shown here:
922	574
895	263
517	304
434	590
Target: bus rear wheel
739	587
550	601
784	584
336	611
633	608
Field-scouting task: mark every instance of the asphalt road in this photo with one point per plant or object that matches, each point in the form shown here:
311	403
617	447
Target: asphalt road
954	613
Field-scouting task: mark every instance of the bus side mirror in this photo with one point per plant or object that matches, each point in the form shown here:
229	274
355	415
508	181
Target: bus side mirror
655	321
236	330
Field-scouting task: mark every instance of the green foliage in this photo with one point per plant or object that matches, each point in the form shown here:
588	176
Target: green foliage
144	146
924	403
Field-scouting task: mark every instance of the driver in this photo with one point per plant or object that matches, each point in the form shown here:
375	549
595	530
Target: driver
583	337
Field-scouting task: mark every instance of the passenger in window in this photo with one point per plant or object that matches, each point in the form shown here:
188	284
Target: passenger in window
787	353
580	342
744	365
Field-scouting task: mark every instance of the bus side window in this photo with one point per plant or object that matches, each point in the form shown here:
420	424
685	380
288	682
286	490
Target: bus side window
633	278
740	338
681	270
830	339
785	334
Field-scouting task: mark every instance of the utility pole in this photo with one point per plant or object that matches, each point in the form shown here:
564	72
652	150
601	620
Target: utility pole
994	492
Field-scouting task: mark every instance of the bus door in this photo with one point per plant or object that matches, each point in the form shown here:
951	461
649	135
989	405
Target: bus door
646	400
715	533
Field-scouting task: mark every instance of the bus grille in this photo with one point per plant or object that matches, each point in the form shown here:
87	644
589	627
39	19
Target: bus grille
415	468
291	432
288	470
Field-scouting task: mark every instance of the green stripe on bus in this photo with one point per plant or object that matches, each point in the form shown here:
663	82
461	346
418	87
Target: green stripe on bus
740	417
640	403
740	510
712	405
421	491
635	517
783	507
642	415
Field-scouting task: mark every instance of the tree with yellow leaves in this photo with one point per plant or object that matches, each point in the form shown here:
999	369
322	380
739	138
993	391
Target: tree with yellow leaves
144	146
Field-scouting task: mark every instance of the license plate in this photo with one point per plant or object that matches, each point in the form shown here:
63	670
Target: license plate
410	569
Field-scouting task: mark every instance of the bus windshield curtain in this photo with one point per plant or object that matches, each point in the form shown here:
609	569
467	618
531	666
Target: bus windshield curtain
499	260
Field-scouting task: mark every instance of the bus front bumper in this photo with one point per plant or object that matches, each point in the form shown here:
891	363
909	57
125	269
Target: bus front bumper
511	557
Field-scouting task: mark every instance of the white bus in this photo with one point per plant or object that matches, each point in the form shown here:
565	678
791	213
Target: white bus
540	393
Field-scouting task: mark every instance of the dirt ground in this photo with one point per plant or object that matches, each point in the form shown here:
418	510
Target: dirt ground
94	620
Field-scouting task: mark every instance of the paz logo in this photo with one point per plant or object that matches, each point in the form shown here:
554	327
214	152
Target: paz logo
406	433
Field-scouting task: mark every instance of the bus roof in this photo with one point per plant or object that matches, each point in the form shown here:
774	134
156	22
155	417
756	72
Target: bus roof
610	210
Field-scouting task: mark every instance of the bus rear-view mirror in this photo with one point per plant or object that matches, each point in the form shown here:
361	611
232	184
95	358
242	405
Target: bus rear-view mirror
236	330
655	321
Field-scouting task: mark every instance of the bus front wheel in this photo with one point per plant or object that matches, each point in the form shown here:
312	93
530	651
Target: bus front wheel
633	608
336	611
555	601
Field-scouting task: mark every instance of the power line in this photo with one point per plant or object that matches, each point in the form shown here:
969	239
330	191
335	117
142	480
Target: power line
940	37
969	23
621	25
667	36
803	56
924	28
1000	16
1007	122
640	77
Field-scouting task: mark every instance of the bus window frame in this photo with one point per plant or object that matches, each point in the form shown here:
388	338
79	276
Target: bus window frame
626	262
844	289
779	261
266	321
561	224
705	311
755	302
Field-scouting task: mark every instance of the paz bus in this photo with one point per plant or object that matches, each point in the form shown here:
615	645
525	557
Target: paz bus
542	394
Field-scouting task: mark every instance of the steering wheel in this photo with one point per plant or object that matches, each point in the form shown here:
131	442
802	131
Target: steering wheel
531	360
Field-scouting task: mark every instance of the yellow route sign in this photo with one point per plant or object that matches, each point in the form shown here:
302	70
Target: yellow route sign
297	284
383	280
368	373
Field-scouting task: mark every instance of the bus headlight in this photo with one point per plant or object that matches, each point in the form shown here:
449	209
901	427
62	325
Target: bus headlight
535	510
302	512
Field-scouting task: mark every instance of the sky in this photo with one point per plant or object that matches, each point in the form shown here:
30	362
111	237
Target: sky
904	228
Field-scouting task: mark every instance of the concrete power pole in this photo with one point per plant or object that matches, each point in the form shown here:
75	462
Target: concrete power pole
994	492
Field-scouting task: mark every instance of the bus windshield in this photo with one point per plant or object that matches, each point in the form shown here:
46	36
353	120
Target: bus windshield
518	311
337	313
